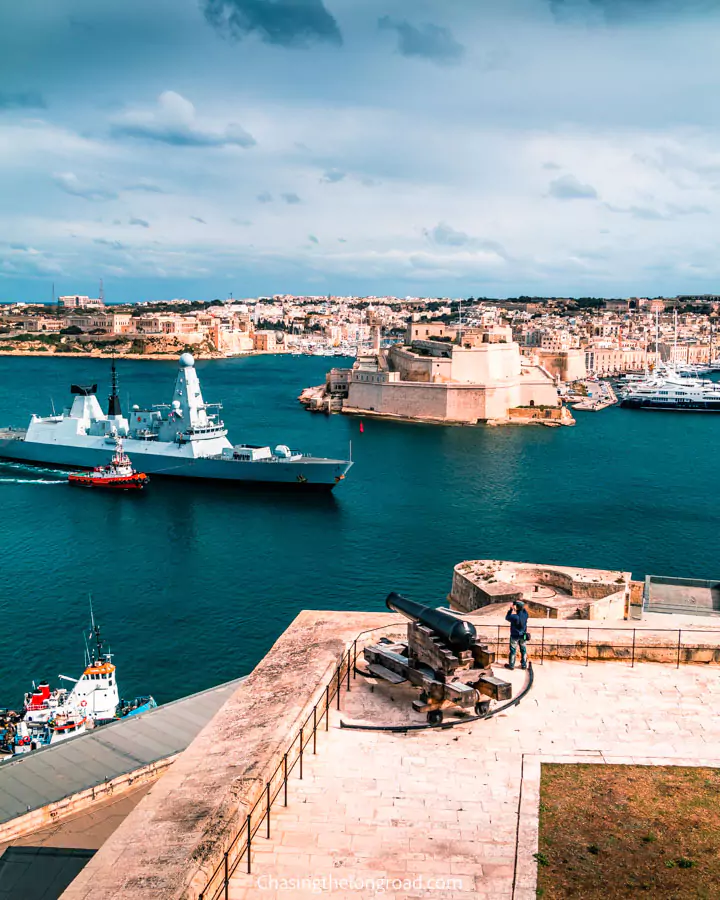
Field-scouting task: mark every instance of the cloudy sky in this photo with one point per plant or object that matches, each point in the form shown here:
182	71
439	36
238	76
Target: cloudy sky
194	148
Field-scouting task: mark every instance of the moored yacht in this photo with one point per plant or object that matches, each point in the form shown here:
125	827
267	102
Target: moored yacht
669	390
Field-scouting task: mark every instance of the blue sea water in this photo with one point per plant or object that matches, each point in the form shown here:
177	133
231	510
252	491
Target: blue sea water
193	582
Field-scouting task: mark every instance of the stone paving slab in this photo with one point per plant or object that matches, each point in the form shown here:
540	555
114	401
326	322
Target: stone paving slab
452	813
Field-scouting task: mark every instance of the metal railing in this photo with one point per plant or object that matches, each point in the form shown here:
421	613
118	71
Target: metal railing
240	848
548	641
586	643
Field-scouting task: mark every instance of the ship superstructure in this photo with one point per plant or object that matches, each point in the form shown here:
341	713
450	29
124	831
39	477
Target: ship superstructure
119	475
49	716
95	693
186	439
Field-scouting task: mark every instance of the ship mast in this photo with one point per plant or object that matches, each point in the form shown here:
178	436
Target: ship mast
95	633
114	407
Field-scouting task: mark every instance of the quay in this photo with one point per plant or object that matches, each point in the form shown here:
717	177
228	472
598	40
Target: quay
277	787
600	395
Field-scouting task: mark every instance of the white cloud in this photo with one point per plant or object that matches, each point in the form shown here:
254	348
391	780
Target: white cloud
71	184
413	176
174	121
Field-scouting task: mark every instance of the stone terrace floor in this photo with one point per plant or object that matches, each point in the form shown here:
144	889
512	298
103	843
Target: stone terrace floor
443	805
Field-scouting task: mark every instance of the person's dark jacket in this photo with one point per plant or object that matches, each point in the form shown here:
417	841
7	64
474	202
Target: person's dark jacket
518	623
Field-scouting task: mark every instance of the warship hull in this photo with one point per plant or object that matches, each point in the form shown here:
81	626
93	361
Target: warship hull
308	473
182	439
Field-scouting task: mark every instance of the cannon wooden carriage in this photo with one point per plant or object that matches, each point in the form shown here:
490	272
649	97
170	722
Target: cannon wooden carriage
443	657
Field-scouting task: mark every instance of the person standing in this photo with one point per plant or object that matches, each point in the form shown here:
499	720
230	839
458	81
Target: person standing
517	616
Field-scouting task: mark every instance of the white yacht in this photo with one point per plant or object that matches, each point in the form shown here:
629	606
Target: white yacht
669	390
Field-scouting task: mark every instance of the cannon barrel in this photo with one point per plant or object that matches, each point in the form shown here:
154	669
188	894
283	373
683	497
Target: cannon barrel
458	634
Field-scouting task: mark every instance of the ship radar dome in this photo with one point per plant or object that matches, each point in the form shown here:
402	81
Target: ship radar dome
187	360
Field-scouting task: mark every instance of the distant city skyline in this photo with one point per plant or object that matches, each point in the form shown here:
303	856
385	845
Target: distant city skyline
193	148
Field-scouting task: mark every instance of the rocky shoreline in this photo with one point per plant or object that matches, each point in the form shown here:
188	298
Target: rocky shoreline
104	354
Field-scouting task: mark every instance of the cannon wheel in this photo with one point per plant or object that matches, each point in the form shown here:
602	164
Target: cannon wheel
482	707
435	716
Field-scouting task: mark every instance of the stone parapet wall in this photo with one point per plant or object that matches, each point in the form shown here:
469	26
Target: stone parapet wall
611	607
566	580
468	595
580	644
478	583
81	802
171	843
559	414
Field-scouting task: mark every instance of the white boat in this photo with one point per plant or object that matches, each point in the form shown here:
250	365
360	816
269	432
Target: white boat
692	370
49	716
667	390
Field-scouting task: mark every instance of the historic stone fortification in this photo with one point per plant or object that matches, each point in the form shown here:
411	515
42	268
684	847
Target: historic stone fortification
437	804
553	592
478	377
169	846
567	365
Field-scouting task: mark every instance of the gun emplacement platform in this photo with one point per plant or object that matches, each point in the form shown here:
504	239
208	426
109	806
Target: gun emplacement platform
442	657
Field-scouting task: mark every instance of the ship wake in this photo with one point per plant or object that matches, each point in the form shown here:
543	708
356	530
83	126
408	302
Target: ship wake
19	473
29	481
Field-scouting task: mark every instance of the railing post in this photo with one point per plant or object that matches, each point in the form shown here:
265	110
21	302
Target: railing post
249	843
678	647
285	777
267	811
355	659
587	648
542	646
632	663
347	685
315	728
327	707
227	879
301	753
337	691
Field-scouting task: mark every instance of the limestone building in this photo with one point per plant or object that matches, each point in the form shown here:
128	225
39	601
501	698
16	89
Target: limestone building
477	375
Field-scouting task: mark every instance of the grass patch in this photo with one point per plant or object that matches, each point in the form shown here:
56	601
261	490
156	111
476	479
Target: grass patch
615	832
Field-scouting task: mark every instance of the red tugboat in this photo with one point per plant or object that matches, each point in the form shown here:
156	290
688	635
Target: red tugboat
119	475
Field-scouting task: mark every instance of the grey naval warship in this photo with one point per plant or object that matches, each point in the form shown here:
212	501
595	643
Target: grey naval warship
183	439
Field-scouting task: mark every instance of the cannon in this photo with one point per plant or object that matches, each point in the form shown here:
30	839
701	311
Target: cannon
456	633
442	656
